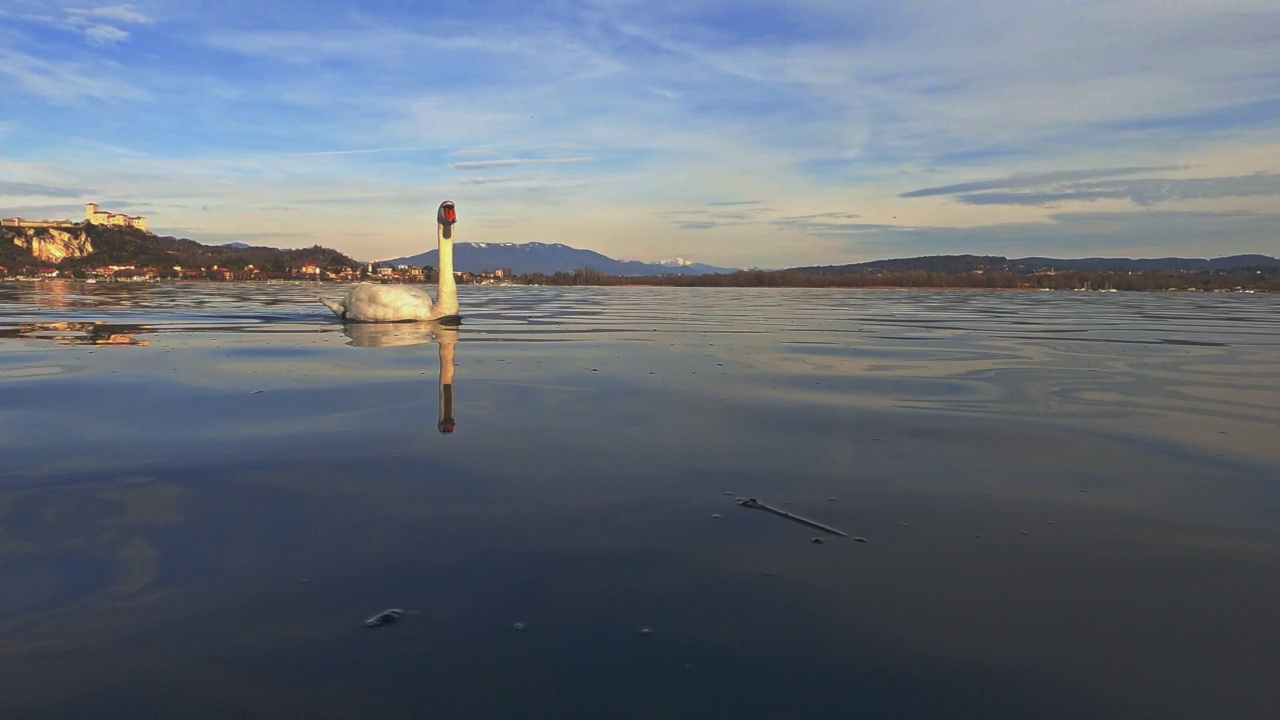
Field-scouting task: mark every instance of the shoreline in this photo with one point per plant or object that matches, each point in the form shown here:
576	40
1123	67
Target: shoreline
153	281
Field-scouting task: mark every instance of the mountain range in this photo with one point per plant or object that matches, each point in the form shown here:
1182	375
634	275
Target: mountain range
550	258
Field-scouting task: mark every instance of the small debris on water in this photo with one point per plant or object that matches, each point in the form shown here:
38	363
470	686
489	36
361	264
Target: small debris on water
304	580
257	392
1048	522
386	617
1082	490
518	627
757	505
816	540
645	631
977	537
1024	532
875	438
726	492
715	515
858	538
831	499
905	524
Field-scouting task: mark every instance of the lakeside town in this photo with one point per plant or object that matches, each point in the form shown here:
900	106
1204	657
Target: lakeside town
372	272
125	250
114	247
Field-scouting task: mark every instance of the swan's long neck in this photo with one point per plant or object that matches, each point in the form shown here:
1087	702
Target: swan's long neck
447	345
447	289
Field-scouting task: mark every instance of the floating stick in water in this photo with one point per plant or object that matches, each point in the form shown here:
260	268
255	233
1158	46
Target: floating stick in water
755	504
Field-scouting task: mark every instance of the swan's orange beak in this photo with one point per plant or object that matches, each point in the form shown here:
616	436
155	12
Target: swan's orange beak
448	215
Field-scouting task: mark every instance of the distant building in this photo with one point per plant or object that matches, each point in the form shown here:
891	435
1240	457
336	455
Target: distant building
99	217
19	222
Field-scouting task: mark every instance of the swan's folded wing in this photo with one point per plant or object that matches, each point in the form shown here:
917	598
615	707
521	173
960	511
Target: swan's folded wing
388	303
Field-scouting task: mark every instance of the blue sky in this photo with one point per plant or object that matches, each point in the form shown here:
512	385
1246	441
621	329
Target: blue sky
740	134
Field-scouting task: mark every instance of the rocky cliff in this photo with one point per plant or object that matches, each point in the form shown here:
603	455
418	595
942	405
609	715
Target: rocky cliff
83	246
53	245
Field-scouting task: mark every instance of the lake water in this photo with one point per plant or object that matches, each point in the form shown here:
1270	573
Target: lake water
1071	503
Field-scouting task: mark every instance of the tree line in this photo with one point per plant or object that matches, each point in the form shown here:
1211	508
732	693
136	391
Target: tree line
1265	280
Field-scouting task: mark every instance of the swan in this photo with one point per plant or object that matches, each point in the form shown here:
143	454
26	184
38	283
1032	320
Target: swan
401	303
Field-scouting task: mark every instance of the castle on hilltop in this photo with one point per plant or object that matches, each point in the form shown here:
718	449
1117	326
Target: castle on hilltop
98	217
92	215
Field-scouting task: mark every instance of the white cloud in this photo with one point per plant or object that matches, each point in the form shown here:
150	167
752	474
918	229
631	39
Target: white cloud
105	34
99	25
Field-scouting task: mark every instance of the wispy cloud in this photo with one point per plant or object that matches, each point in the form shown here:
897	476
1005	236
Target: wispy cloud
63	82
364	151
822	216
99	25
500	179
22	189
516	162
1054	188
1032	180
814	225
719	213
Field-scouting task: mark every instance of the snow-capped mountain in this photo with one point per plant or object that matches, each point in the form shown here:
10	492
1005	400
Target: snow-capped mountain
548	258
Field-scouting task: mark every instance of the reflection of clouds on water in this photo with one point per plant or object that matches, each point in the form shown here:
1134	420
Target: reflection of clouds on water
378	335
97	532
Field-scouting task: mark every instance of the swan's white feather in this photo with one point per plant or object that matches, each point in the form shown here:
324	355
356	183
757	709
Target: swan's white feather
336	307
385	303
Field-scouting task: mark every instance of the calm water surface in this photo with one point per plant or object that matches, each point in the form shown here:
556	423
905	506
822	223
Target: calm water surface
1071	503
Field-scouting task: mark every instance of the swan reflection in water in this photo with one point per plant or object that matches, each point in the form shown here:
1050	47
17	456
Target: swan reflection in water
369	335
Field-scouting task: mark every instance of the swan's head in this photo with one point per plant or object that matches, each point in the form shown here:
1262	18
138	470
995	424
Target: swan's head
446	217
446	426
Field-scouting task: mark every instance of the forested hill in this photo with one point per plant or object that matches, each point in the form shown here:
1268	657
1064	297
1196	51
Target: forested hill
87	245
964	264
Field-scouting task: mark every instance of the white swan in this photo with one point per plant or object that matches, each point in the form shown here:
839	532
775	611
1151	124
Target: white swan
399	303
